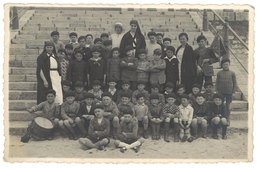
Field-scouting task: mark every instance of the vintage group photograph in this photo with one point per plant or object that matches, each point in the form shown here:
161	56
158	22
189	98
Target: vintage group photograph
89	83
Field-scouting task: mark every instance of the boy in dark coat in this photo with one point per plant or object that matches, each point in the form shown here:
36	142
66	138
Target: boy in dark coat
97	66
86	52
208	92
200	115
172	66
124	104
218	116
128	67
125	88
79	91
194	91
112	89
140	90
77	70
98	131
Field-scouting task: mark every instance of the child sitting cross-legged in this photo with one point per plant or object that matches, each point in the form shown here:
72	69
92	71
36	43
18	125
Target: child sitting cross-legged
70	115
200	116
155	115
49	110
141	113
218	116
171	114
128	133
98	131
186	114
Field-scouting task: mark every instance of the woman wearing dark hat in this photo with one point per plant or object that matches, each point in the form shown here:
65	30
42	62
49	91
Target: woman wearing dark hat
187	60
48	73
118	35
133	38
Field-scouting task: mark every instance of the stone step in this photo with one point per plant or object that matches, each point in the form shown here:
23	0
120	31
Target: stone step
23	57
21	63
18	128
22	115
237	105
22	78
22	51
25	86
23	46
21	104
22	70
239	115
22	95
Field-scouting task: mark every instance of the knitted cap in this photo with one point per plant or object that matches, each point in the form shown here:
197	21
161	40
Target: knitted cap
170	95
217	96
106	94
89	95
154	96
98	106
70	94
126	94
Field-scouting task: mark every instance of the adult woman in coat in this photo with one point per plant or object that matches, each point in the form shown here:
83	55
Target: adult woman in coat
187	60
48	74
133	38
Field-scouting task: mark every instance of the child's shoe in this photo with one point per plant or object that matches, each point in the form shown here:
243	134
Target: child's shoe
190	139
184	139
176	139
136	149
145	134
204	136
123	149
224	137
215	136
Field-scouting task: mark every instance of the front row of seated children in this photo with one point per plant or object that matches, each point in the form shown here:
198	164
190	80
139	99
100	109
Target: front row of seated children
92	121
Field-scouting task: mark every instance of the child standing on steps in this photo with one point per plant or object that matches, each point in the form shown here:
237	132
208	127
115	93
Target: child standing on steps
151	45
74	39
142	66
155	115
218	116
55	36
64	62
98	131
226	84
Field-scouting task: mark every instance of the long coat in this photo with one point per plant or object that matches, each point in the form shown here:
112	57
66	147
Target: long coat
43	63
128	40
188	67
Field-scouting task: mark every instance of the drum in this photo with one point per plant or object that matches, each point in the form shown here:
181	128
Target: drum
41	128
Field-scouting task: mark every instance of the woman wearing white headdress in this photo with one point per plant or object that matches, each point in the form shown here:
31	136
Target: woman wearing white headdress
117	36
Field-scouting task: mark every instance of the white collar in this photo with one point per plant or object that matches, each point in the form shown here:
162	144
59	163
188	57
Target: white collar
170	59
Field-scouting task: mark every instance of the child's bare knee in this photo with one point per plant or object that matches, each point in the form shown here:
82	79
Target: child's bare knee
215	120
175	120
224	121
194	122
204	123
77	120
167	120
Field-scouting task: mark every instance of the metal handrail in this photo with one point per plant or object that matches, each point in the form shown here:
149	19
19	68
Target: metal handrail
233	32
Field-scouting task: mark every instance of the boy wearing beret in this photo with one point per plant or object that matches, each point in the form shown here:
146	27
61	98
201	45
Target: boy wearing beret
155	115
128	67
171	114
98	131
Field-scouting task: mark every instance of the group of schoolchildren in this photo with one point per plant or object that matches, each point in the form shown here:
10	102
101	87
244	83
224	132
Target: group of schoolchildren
114	95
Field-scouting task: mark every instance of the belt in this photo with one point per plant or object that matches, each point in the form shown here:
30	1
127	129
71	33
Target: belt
53	69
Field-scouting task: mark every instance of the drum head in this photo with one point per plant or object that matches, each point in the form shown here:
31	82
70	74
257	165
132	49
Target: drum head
43	122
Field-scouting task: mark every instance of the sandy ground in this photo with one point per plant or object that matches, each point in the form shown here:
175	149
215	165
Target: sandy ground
235	147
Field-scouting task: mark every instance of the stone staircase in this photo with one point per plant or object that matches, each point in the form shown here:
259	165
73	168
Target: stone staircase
28	43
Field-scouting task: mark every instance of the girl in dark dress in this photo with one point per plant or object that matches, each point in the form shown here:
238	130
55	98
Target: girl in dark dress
133	38
187	60
48	73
